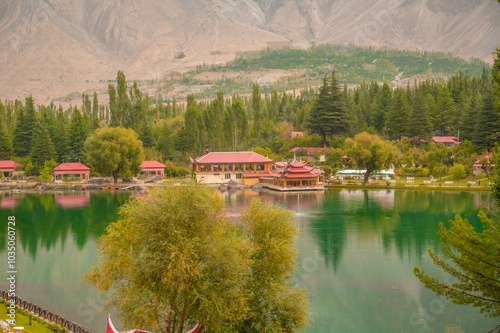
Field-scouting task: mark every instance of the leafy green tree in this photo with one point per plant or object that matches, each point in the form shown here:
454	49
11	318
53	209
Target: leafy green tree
176	249
241	123
275	305
6	149
371	152
465	154
42	148
438	157
47	169
458	172
114	151
328	115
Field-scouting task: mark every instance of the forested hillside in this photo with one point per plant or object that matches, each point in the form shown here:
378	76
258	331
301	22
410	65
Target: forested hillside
466	105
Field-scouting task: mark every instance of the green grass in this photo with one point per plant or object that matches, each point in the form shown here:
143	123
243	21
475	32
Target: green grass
22	320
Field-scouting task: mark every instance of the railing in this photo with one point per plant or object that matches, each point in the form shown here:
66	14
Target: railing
46	314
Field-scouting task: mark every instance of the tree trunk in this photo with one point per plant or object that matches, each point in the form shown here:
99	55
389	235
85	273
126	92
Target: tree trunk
367	176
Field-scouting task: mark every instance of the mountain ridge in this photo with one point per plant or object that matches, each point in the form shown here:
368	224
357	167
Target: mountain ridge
55	47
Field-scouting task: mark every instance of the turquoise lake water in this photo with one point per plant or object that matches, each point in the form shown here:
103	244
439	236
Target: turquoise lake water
357	251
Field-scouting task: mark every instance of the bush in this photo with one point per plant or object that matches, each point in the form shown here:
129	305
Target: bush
414	172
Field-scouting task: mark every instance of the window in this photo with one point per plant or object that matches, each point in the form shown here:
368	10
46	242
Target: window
228	167
238	176
228	176
260	167
249	167
204	167
217	167
238	167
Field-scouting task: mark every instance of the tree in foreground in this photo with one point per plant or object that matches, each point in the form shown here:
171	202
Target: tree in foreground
173	259
114	151
371	152
275	305
473	259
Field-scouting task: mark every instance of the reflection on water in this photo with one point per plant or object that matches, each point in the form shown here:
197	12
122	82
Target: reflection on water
68	201
357	250
56	245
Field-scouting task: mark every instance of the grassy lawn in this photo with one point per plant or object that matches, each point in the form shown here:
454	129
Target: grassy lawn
38	325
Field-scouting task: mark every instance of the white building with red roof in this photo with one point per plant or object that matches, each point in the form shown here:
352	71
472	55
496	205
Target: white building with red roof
313	153
7	167
448	141
71	171
152	168
220	167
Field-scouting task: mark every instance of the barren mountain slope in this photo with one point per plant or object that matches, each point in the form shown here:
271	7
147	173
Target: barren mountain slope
51	48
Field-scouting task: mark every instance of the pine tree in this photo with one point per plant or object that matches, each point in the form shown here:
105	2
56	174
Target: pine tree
42	148
488	122
78	132
328	115
399	116
6	149
420	126
382	108
446	108
26	122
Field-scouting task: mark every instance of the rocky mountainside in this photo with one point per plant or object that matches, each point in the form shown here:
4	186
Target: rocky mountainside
50	48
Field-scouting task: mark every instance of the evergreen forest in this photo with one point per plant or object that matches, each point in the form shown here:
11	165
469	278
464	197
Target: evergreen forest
464	105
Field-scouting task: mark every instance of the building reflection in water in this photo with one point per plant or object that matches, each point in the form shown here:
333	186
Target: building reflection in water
68	201
8	202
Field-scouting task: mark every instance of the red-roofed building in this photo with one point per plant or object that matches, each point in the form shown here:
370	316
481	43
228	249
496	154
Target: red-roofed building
8	167
71	171
313	153
482	162
448	141
152	168
296	176
297	134
221	167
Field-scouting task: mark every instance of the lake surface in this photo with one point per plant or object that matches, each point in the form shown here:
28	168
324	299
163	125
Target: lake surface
357	251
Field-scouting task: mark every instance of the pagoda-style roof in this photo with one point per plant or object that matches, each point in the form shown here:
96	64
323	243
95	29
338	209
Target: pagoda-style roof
298	169
246	157
71	168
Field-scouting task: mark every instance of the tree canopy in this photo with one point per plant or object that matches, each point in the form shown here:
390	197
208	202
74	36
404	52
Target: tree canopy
371	152
114	151
173	259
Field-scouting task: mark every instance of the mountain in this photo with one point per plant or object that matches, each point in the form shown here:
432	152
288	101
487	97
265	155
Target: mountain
51	48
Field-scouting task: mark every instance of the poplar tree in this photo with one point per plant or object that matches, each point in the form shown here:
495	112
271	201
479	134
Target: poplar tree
257	116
